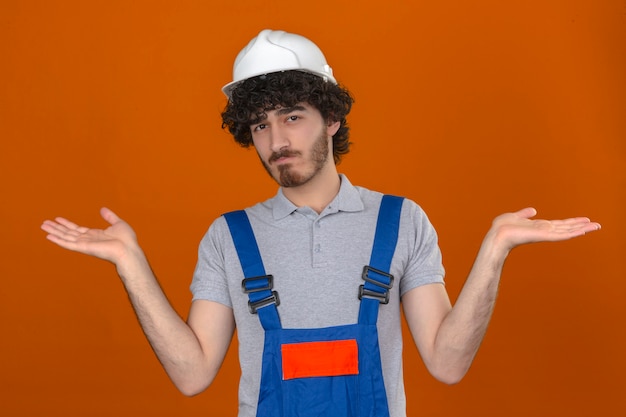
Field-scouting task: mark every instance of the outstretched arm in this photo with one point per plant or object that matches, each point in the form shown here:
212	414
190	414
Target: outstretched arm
448	337
191	352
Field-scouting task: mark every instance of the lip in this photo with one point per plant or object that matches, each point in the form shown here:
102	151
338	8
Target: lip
283	159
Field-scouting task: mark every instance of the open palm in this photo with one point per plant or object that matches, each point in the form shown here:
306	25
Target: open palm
111	244
514	229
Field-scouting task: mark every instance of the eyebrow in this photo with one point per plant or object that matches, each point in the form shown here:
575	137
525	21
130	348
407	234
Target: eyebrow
279	112
286	110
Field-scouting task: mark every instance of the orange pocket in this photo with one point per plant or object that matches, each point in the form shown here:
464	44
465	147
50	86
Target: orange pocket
310	359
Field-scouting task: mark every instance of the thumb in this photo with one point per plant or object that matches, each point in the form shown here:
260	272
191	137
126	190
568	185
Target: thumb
527	212
109	216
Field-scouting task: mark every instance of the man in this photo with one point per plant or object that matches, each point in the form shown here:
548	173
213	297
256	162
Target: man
320	337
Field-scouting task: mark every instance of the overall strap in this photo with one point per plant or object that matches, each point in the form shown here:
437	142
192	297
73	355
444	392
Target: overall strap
256	283
378	281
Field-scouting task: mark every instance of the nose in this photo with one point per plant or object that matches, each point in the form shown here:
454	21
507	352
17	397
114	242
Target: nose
278	138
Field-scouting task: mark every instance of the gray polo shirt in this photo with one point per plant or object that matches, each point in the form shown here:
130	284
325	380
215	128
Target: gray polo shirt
316	261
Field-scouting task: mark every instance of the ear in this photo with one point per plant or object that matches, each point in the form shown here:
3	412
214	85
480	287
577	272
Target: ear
332	128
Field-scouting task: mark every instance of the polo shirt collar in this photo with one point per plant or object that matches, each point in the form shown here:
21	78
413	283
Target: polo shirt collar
347	199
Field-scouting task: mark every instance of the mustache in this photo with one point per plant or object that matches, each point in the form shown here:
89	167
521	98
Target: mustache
282	154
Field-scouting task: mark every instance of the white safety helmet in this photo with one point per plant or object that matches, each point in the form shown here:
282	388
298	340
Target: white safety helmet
274	51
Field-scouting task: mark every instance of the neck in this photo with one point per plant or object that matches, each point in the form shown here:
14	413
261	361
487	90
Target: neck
318	192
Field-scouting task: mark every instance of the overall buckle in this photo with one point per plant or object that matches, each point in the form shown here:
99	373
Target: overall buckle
272	299
256	285
382	297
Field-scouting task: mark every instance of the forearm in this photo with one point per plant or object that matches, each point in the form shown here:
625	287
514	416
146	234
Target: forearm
192	352
463	328
173	341
449	337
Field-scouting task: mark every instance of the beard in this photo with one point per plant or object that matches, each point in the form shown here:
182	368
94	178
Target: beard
290	177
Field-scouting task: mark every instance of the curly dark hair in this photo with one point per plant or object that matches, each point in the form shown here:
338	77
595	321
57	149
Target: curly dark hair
257	95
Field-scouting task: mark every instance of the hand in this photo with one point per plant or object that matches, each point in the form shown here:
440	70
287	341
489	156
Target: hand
112	244
514	229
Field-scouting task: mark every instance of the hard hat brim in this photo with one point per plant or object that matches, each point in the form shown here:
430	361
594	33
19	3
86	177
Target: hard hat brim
231	86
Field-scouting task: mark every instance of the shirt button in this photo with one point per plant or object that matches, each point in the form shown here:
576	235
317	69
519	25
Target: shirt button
318	248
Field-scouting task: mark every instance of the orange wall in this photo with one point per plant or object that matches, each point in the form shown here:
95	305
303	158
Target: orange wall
469	108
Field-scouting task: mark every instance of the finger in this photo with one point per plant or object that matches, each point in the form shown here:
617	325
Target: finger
49	226
574	220
587	227
569	223
70	225
576	224
108	215
527	212
59	231
66	223
54	227
64	242
569	230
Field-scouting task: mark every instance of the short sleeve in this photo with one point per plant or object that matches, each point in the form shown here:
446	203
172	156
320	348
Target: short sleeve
421	245
209	279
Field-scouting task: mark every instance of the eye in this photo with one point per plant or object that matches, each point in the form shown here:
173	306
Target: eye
293	118
259	127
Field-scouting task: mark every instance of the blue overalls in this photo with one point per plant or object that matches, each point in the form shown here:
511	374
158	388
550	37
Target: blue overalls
333	371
